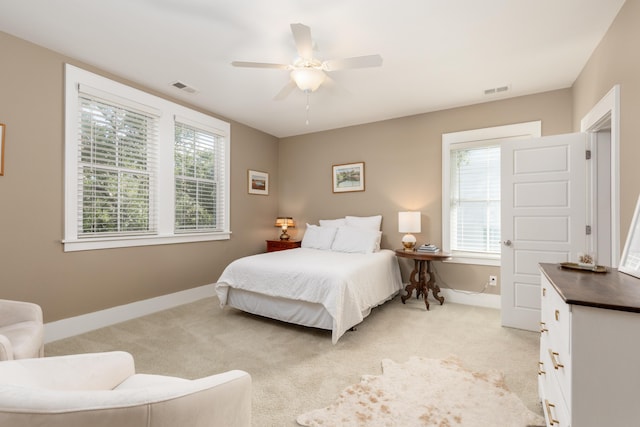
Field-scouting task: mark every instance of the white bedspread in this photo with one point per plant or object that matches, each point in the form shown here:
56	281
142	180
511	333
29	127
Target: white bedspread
348	285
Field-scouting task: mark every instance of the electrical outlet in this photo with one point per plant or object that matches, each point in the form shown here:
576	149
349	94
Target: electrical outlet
493	280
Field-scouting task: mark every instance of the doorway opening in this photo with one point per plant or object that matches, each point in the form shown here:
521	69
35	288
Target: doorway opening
602	124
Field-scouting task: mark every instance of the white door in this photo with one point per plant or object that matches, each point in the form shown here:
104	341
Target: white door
543	217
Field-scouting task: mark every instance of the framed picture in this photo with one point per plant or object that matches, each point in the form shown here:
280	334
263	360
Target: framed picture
258	182
349	177
2	127
630	260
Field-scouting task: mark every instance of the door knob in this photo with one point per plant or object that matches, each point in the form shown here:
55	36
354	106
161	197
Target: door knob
507	242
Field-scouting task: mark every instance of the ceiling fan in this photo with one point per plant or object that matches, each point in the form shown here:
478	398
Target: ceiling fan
307	72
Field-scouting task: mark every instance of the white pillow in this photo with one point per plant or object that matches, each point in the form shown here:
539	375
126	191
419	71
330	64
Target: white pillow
335	223
356	240
318	237
368	222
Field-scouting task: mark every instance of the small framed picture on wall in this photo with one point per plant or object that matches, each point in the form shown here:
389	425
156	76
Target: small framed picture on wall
348	177
258	182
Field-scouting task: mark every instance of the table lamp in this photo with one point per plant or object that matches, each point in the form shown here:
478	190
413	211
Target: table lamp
284	222
409	222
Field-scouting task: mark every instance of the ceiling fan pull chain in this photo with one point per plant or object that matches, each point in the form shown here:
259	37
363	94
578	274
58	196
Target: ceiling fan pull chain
307	122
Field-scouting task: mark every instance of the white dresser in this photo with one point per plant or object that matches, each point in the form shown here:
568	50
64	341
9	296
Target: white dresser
589	372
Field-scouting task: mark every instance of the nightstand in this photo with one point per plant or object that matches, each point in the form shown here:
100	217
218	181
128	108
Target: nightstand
422	285
281	245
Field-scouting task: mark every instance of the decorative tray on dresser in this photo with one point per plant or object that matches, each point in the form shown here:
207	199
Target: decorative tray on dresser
589	371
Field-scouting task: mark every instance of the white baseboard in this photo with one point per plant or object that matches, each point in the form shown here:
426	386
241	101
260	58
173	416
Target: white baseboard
71	326
469	298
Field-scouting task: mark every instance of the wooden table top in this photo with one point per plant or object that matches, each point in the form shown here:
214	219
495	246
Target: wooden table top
423	256
612	290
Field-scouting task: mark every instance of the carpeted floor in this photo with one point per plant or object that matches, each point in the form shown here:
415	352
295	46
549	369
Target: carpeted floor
297	369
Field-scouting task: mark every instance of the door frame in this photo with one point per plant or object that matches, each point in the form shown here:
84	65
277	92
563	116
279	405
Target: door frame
605	116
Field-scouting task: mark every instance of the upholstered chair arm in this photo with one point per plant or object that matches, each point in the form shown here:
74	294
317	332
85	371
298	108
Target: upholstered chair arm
149	400
90	371
218	400
6	350
19	311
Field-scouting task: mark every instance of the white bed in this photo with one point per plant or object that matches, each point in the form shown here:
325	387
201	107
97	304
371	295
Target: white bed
320	288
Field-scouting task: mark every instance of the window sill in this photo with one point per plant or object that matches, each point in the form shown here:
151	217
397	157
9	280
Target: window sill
118	242
462	258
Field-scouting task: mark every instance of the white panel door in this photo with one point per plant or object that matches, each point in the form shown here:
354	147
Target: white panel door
543	217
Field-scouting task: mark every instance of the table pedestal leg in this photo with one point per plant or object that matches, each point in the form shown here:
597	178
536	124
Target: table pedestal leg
419	285
413	284
431	284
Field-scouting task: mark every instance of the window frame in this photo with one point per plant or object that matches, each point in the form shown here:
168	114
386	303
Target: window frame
482	136
164	195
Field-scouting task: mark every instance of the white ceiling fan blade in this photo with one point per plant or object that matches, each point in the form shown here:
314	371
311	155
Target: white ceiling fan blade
302	37
285	91
259	65
354	62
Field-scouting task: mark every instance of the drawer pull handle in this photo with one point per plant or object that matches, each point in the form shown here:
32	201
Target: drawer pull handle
556	364
544	292
552	421
557	315
542	328
540	370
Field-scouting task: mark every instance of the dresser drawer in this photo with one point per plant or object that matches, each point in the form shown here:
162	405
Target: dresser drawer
555	414
556	366
555	322
556	410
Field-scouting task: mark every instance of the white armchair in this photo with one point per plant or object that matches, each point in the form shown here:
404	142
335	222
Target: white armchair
103	390
21	330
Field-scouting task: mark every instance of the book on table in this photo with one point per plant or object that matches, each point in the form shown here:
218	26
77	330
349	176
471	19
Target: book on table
428	248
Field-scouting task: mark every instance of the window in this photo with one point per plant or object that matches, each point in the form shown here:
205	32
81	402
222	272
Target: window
475	198
140	170
471	191
199	172
116	168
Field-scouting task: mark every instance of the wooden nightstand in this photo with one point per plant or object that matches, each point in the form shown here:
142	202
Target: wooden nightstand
422	285
281	245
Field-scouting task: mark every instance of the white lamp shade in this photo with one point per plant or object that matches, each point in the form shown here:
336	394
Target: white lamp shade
409	222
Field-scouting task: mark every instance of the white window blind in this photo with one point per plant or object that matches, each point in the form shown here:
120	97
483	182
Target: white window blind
475	199
116	168
199	158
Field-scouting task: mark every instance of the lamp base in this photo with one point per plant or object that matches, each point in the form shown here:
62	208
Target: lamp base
409	242
284	236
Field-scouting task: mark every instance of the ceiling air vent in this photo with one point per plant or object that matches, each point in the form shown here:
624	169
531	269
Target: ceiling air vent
183	86
495	90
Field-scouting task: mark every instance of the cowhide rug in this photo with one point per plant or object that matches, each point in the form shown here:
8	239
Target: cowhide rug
425	392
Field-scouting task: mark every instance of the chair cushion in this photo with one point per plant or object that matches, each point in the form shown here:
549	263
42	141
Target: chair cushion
26	338
148	380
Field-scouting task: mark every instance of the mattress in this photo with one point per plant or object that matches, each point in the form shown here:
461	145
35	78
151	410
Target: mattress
312	287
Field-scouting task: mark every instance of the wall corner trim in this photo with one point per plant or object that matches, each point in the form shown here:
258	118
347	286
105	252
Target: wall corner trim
72	326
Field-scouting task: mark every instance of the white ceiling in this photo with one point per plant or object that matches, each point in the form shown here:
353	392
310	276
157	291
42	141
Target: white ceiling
437	53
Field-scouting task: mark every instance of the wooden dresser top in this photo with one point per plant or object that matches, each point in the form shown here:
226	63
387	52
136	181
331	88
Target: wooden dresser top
611	290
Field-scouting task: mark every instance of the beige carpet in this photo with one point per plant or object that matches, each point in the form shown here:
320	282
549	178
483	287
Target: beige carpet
297	369
425	392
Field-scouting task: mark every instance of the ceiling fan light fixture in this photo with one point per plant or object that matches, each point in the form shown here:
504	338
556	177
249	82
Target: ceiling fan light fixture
308	79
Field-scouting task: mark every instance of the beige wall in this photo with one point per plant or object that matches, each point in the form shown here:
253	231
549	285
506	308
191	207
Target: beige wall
617	61
403	170
33	265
